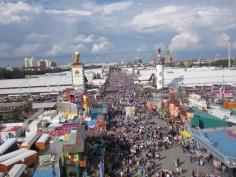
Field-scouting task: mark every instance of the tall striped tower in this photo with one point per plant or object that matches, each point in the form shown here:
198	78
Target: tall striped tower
159	71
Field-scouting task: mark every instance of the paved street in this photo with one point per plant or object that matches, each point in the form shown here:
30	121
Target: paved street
170	155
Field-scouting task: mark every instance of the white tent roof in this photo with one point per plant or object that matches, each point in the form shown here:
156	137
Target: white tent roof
43	80
17	170
6	145
192	76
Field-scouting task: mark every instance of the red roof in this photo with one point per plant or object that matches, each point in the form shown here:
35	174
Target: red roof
2	128
60	131
15	128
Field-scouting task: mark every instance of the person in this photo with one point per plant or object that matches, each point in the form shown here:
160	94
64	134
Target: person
223	169
121	174
191	159
178	162
127	172
193	174
53	160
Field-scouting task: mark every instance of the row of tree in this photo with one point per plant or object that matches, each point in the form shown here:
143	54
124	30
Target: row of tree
16	73
17	115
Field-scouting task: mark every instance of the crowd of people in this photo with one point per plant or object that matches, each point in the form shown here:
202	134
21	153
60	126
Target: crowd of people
133	144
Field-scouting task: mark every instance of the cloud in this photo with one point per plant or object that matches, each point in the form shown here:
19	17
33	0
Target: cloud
100	46
159	45
84	39
164	17
142	48
221	40
101	39
69	12
5	49
234	45
19	12
117	6
27	50
79	43
38	38
62	49
183	41
224	37
58	28
33	44
182	18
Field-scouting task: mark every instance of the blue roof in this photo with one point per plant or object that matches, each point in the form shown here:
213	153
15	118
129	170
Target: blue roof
91	123
47	172
224	141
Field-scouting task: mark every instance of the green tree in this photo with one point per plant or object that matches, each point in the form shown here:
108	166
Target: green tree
234	63
27	108
16	114
220	63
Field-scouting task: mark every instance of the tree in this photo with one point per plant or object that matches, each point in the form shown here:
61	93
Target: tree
16	73
220	63
181	65
16	114
27	108
234	63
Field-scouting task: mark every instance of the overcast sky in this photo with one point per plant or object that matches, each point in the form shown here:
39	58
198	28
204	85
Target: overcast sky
110	30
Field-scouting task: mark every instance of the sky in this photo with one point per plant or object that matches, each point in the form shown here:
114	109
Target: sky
115	30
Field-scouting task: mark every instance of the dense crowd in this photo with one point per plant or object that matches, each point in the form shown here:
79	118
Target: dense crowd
134	143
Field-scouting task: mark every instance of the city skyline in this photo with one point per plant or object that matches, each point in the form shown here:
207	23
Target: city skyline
114	30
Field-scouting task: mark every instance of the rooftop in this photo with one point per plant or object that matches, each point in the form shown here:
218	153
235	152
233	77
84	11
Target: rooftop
219	141
222	113
191	76
77	145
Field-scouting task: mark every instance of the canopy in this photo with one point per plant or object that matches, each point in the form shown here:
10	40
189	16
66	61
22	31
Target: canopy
186	134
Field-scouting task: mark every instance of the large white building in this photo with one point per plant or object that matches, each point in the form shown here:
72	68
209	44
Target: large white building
48	83
56	82
189	76
30	63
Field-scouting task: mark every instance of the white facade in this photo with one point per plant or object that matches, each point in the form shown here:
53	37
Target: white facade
26	63
159	77
47	63
78	77
30	63
198	76
200	104
34	63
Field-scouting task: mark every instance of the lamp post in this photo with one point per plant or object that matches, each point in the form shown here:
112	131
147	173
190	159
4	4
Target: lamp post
101	165
197	162
229	46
